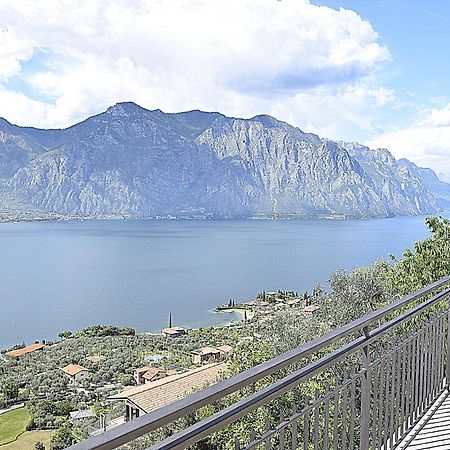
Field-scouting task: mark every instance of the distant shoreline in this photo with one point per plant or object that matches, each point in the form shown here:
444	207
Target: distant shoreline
55	217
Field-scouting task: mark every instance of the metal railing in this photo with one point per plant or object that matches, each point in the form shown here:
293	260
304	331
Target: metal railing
372	380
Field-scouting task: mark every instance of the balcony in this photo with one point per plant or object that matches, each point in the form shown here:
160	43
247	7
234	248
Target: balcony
379	382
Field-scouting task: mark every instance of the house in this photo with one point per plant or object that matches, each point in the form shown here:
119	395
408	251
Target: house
147	374
148	397
95	358
225	349
75	371
310	310
80	416
28	349
174	332
206	354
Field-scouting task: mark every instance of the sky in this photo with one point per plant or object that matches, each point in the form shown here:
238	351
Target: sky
371	71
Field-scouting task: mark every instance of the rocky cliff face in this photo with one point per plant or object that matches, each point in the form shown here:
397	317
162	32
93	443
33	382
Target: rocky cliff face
134	162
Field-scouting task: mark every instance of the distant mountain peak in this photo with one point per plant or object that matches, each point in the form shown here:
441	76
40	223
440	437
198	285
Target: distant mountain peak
134	162
125	109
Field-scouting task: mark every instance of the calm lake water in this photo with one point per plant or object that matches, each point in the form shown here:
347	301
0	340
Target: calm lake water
68	275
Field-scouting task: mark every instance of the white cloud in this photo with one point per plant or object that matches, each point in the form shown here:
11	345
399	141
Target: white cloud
312	65
426	142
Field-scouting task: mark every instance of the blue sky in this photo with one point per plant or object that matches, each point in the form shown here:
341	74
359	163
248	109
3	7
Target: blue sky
417	34
369	71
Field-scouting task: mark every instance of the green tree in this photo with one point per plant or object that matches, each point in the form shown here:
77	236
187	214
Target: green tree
62	438
10	391
429	261
39	446
65	334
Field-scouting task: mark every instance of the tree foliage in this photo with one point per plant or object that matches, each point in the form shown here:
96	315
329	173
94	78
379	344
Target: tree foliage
427	262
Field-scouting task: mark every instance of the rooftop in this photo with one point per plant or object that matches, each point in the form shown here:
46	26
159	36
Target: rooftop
81	414
157	394
225	348
206	351
150	373
73	369
173	330
27	349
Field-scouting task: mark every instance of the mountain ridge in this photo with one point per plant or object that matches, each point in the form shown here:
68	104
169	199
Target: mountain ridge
134	162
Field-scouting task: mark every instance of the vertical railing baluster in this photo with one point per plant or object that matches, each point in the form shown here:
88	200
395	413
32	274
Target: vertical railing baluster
386	400
326	425
394	395
306	425
380	401
422	370
294	430
410	386
437	381
447	371
352	411
416	372
427	364
442	354
376	393
335	418
268	443
365	394
400	428
439	354
316	420
282	431
435	345
344	413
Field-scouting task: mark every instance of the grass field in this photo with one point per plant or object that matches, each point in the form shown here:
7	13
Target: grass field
27	440
12	424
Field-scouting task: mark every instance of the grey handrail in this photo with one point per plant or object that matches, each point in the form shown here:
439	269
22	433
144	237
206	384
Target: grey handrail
158	418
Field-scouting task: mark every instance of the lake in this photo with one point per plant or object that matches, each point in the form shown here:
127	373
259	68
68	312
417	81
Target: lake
68	275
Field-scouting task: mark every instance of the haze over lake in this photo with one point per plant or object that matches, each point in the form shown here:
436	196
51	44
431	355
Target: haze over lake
68	275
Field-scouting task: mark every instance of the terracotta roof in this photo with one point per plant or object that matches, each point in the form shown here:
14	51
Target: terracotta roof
27	349
157	394
151	373
73	369
95	358
206	351
174	330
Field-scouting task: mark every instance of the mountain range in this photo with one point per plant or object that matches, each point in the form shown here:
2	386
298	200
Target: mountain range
132	162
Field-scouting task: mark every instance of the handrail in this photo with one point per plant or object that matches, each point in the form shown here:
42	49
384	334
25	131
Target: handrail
156	419
222	418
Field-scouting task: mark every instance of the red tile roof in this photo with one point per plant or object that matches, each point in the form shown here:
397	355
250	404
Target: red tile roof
27	349
73	369
151	373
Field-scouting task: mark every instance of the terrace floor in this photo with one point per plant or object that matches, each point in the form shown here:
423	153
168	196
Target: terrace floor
433	431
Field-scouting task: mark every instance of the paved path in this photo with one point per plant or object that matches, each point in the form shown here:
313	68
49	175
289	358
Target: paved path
12	408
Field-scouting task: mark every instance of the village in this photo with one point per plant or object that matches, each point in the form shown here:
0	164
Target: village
101	377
